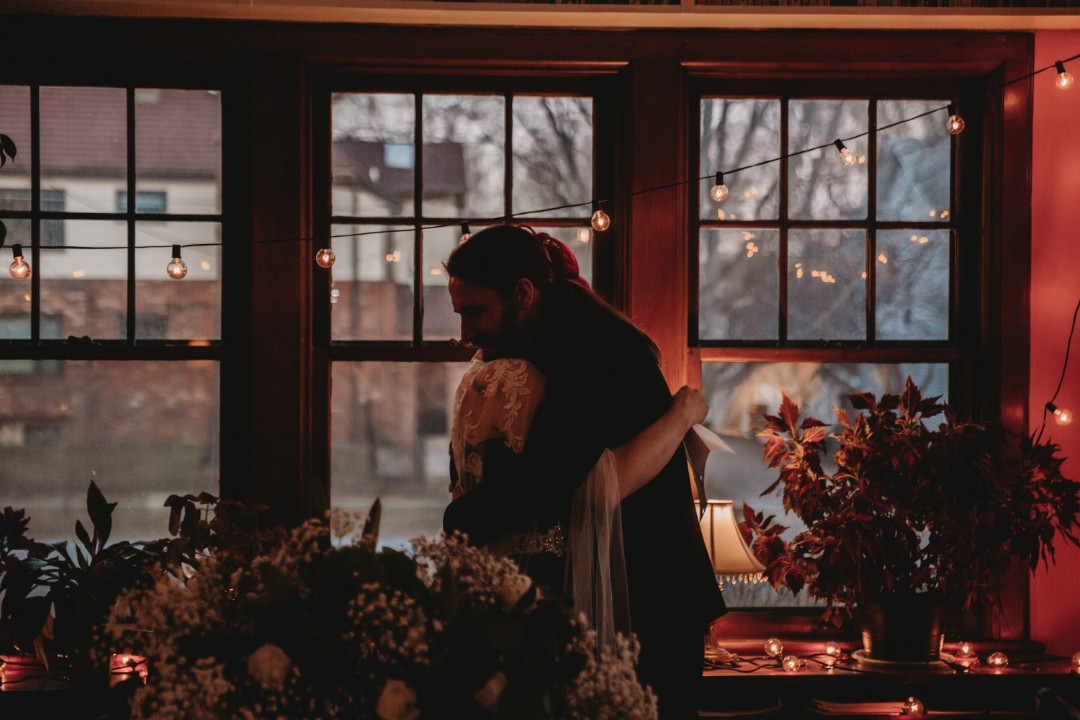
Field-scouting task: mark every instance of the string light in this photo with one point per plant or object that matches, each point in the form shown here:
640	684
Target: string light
832	653
773	647
998	660
177	268
325	257
847	158
601	221
584	235
1076	662
19	268
955	123
465	233
913	707
719	192
1064	79
1062	415
964	648
791	663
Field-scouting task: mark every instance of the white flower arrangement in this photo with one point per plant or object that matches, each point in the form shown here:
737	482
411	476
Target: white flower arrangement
297	626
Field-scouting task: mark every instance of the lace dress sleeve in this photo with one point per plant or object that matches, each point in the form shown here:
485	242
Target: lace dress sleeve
495	400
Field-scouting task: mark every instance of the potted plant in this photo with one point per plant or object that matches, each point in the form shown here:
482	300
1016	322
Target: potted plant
913	516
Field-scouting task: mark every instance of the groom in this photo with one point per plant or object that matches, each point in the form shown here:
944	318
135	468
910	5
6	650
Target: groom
519	296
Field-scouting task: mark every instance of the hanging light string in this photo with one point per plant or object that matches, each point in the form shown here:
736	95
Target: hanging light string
1062	415
595	203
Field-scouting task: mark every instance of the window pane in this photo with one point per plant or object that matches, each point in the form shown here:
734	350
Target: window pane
913	284
168	309
84	145
820	187
739	393
464	144
913	161
372	156
737	133
440	322
826	284
391	439
122	425
87	288
15	123
552	160
372	288
738	284
178	151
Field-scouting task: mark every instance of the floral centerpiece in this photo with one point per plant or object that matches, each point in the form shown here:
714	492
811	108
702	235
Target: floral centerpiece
912	507
319	623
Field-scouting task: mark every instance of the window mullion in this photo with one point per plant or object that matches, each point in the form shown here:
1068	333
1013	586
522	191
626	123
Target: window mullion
130	97
871	219
418	210
782	251
508	156
35	213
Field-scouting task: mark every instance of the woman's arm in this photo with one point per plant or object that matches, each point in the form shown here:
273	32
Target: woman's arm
643	457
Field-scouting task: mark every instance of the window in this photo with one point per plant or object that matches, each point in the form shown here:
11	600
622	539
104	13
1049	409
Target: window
816	279
407	168
109	368
146	201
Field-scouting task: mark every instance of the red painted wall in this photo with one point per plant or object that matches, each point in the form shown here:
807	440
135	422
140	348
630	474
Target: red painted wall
1055	291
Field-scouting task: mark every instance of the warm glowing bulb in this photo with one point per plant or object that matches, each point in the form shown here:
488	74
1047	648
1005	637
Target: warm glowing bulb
18	268
773	647
601	221
964	648
325	257
832	651
1063	416
848	158
998	660
1076	662
791	663
584	235
913	707
955	124
1064	80
719	193
177	268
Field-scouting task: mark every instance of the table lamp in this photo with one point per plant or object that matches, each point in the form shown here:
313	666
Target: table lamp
731	559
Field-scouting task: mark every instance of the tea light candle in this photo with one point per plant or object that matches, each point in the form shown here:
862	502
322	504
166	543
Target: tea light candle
832	653
913	707
773	647
998	660
791	663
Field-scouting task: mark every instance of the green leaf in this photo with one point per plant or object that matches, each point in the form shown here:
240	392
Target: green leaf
100	513
370	533
8	146
84	537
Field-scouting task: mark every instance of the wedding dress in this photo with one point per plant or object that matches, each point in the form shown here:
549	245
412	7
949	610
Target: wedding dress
495	403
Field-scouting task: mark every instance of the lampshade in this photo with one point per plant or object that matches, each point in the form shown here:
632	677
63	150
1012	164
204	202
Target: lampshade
731	558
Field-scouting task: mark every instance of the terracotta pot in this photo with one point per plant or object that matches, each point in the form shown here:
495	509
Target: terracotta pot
903	628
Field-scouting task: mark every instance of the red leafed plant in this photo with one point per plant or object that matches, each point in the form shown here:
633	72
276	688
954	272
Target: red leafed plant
909	508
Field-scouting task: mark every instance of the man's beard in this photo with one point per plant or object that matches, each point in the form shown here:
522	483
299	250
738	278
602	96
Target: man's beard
509	340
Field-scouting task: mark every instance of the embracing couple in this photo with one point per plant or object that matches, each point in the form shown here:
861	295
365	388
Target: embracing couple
566	453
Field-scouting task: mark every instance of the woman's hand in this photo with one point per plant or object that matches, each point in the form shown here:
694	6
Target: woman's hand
691	403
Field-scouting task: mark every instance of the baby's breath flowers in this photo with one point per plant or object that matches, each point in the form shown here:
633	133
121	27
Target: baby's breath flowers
319	623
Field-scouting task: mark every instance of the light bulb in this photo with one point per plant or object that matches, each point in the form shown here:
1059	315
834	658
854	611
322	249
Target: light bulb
964	648
177	268
955	123
719	192
913	707
847	158
1076	662
465	233
791	663
601	221
1064	416
325	257
832	652
998	660
19	268
773	647
584	235
1064	79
